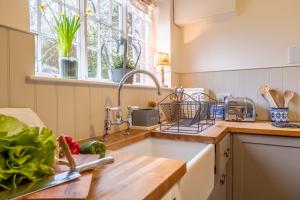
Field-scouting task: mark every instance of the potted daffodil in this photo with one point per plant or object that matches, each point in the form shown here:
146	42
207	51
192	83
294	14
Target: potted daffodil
65	28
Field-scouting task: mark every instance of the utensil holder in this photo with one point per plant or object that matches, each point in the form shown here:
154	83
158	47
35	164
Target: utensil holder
279	114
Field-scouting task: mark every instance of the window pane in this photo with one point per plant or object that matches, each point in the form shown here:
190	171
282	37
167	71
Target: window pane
104	69
73	3
116	15
47	17
92	33
138	28
104	10
92	63
33	15
92	6
129	23
49	56
104	33
105	50
117	45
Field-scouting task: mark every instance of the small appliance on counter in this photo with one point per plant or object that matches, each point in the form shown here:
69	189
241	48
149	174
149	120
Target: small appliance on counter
239	109
145	119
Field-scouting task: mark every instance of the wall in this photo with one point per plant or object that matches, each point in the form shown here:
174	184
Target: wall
240	53
14	13
258	37
67	108
176	47
199	9
245	83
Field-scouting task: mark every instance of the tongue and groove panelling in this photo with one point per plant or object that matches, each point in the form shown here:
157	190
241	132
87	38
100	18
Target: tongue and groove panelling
71	108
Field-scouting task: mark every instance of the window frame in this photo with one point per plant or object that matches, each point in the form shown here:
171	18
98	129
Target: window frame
82	35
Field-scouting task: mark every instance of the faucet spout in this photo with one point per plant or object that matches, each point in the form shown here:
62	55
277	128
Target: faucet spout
139	71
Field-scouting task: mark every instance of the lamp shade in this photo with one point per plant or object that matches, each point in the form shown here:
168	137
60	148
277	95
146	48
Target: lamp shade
163	59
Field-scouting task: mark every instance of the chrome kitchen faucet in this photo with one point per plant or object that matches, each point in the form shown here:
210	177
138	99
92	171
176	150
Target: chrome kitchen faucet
117	111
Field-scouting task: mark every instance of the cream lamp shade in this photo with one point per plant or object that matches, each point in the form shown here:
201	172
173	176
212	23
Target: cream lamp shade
163	59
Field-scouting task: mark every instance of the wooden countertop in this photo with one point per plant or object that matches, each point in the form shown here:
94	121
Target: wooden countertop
141	177
135	177
215	133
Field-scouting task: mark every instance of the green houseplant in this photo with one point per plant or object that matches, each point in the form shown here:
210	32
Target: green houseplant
117	70
114	62
65	28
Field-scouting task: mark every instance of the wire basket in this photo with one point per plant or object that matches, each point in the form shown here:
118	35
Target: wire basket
184	113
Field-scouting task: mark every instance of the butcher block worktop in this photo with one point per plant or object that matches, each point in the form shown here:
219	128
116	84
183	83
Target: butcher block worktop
211	135
142	177
135	177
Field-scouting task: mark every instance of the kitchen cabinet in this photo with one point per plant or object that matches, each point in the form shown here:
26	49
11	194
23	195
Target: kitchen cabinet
172	194
190	11
266	167
223	170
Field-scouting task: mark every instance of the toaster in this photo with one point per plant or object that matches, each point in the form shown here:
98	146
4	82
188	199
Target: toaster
239	109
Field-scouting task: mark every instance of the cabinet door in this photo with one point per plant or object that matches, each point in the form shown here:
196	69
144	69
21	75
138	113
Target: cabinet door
222	187
266	167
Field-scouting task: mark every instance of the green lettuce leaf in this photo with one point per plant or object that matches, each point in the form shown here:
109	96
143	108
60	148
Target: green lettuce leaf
26	153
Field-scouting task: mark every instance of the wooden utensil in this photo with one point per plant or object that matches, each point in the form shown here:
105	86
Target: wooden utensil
288	95
276	96
265	92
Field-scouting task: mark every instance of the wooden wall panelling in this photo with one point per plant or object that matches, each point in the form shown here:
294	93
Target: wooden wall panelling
110	100
291	81
4	75
227	81
97	111
82	112
247	82
46	104
66	110
276	79
261	77
21	63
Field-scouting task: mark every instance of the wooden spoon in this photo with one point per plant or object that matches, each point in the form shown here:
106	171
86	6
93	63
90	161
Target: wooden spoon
264	91
288	95
275	95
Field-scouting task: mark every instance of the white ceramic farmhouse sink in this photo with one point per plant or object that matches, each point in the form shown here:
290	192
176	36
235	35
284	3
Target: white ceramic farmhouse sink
198	182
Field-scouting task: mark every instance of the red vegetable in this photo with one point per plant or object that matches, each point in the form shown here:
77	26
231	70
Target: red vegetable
73	145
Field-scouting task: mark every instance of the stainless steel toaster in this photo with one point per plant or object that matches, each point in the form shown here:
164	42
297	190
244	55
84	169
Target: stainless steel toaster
239	109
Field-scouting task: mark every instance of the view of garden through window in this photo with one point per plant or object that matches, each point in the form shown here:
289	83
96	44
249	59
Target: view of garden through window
100	40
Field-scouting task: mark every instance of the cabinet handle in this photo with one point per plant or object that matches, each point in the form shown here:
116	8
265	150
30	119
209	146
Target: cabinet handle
223	179
227	153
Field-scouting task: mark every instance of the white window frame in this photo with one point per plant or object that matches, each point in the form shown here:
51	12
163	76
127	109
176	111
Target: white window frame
82	46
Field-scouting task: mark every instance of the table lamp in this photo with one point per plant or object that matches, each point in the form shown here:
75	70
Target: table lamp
162	60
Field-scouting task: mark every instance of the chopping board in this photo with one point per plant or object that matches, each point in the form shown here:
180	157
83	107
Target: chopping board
76	190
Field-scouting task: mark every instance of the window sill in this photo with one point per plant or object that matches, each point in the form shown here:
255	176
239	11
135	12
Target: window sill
42	79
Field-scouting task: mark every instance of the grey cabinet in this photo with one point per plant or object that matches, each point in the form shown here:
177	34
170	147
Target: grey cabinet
222	187
266	167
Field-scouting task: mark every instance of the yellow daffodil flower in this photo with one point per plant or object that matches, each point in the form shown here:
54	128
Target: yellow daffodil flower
76	16
42	8
88	11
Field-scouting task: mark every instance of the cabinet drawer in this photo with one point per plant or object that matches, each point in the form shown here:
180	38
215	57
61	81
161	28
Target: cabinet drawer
223	153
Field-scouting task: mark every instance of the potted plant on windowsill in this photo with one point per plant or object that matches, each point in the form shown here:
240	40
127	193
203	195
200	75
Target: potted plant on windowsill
114	61
117	71
64	28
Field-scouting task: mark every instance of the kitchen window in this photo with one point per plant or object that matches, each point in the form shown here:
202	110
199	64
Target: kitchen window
107	27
